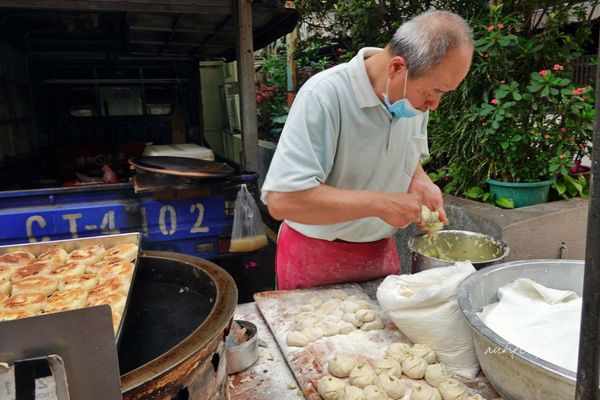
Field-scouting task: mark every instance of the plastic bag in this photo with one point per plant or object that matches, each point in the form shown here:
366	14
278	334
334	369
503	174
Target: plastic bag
425	309
247	233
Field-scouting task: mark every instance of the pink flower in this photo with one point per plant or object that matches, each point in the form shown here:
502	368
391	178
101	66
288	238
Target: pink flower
532	132
543	72
558	67
486	55
500	25
563	129
547	136
494	102
503	81
490	28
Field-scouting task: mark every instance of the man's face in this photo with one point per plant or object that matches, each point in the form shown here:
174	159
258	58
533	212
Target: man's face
426	91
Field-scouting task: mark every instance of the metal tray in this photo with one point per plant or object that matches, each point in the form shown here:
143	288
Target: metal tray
73	244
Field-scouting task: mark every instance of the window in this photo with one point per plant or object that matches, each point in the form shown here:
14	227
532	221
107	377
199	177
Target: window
120	101
82	102
158	100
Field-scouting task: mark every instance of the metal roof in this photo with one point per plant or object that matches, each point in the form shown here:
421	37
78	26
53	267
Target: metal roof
119	28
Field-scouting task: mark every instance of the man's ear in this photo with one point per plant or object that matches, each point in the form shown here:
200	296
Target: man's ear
396	66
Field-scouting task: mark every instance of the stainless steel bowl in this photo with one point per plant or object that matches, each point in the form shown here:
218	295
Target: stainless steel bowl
243	355
444	248
514	373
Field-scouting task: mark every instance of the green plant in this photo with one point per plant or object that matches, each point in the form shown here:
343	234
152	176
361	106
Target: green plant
518	84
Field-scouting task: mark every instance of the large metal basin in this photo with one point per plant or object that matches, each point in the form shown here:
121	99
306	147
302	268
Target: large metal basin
514	373
444	248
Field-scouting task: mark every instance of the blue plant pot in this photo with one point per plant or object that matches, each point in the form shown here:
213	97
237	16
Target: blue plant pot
522	194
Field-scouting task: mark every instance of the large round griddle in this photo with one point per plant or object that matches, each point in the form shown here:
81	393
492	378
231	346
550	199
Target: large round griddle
182	166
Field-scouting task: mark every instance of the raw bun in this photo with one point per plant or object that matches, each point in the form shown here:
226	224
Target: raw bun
398	351
423	351
391	385
451	389
365	315
352	393
377	323
372	392
329	328
341	365
349	306
414	367
435	373
330	387
351	317
313	333
425	393
388	365
338	294
296	339
363	375
345	327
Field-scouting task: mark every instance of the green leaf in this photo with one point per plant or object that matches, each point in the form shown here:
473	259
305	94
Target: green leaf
475	192
504	145
505	202
515	138
560	187
486	197
517	96
545	91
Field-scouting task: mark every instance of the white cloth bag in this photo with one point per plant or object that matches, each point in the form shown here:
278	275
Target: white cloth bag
424	307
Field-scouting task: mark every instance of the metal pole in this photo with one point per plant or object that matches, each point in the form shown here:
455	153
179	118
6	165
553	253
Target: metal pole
587	368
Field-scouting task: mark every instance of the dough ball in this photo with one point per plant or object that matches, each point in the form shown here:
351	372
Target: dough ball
435	373
451	389
349	306
363	304
372	392
425	393
475	397
341	365
365	315
330	306
316	302
329	328
377	323
296	339
363	375
345	327
339	294
330	387
352	393
313	333
388	365
303	323
414	367
391	385
398	351
351	317
307	308
423	351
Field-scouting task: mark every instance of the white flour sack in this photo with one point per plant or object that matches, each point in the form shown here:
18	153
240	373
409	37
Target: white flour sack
424	307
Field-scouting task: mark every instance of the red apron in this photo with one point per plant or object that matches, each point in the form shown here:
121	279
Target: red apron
303	262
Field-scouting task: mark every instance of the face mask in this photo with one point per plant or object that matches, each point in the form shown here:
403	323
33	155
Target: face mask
401	108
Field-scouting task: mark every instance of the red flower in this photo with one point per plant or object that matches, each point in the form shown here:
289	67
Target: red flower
558	67
494	102
561	156
486	55
543	72
503	81
563	129
532	132
500	25
490	28
547	136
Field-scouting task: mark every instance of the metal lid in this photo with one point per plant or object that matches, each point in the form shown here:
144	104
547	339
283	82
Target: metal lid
182	166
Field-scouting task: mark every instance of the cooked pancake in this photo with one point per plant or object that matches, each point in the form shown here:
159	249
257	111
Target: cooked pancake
64	300
6	273
5	287
68	269
110	261
2	298
56	256
127	251
44	284
85	281
123	269
31	301
15	314
116	319
105	289
16	260
38	268
116	301
118	284
88	255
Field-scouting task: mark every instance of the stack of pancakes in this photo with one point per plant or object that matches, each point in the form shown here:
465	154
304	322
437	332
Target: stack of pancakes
57	280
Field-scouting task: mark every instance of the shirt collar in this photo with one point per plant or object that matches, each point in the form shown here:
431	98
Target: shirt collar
361	84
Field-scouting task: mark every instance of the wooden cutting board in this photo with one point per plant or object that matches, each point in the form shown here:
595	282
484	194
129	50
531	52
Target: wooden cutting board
308	364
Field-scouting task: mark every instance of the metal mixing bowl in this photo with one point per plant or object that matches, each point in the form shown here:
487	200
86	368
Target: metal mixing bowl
244	354
514	373
444	248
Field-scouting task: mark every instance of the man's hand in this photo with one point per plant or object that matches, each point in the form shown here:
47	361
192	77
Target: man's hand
401	209
429	193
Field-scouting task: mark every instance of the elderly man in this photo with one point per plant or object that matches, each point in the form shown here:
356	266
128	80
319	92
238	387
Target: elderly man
347	170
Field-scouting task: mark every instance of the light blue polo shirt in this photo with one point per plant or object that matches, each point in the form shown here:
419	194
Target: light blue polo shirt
339	133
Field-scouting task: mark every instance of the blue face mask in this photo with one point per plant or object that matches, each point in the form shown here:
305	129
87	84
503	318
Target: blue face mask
401	108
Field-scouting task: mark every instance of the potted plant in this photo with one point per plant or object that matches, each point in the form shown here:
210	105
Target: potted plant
534	133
